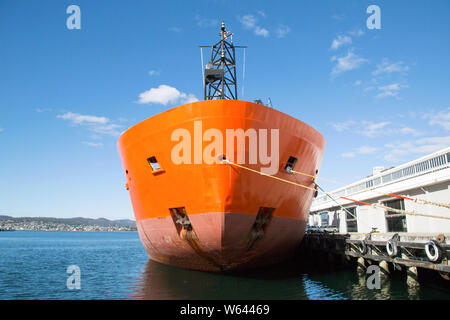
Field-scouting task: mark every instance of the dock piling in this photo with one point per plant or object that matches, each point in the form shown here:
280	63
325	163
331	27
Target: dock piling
361	265
412	277
411	253
384	269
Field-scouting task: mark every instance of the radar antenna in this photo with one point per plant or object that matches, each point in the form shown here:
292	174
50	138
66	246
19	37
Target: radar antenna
219	74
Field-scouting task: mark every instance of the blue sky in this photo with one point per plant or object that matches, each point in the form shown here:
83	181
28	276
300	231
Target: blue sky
380	97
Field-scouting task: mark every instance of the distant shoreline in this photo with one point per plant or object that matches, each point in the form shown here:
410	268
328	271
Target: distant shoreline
8	223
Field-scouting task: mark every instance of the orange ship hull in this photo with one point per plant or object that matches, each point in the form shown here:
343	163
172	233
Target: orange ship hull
222	201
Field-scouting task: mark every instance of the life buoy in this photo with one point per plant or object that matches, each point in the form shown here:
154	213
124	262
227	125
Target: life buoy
433	251
392	248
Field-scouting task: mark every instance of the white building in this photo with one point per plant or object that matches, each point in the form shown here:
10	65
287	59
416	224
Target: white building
426	178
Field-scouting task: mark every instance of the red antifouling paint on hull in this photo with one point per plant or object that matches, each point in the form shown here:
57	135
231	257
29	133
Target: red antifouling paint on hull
224	242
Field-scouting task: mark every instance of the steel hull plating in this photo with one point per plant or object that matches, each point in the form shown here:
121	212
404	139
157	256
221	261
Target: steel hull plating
222	201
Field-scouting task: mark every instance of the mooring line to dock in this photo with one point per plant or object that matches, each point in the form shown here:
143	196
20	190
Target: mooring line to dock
268	175
379	206
417	200
374	205
354	216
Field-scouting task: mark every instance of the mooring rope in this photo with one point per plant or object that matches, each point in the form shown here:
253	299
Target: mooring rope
268	175
329	195
374	205
417	200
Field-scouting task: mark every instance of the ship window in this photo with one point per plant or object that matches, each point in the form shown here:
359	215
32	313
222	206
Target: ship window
290	164
153	163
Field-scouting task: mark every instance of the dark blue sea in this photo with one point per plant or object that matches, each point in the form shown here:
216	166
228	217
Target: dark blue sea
114	265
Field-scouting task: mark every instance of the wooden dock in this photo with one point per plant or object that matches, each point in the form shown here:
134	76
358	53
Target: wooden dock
390	251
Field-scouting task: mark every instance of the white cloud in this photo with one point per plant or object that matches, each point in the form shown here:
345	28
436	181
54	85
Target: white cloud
391	90
348	155
386	67
348	62
338	17
373	129
342	126
431	144
364	150
356	33
411	142
164	95
441	118
282	31
410	131
261	13
111	129
153	73
93	144
340	41
77	118
1	129
357	83
39	110
261	32
249	22
404	150
96	124
206	22
175	29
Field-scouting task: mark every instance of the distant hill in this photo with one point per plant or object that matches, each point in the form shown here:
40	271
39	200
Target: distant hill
78	221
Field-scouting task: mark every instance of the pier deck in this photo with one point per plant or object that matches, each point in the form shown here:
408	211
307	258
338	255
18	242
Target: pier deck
398	250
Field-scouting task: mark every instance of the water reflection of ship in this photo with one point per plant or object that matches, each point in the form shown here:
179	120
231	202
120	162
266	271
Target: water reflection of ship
162	282
288	281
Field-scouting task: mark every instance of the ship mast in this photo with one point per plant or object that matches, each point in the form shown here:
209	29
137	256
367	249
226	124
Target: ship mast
219	74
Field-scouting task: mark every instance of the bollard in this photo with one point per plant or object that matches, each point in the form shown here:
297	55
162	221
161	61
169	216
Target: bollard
412	277
361	265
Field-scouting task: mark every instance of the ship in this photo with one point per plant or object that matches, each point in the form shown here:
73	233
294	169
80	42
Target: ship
211	182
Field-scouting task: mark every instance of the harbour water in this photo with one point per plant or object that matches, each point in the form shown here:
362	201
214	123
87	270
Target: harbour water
114	265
